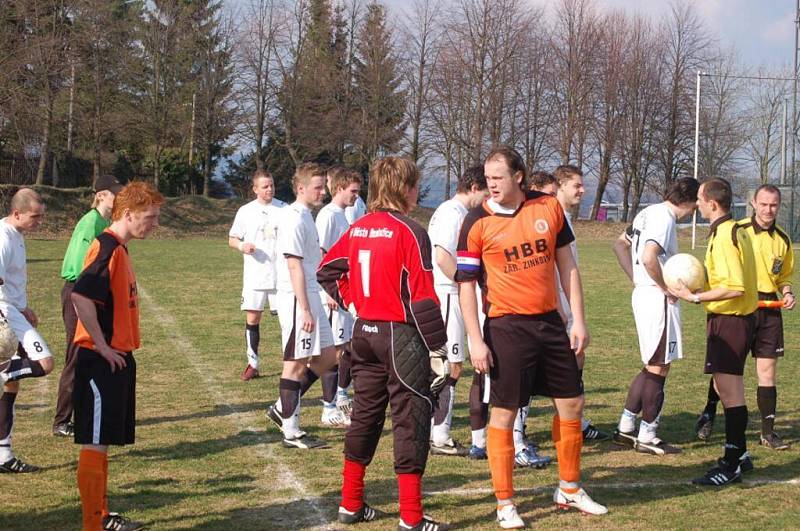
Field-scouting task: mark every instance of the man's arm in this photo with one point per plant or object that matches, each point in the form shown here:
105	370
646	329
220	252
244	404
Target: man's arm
239	245
479	353
298	278
622	250
571	283
446	262
87	313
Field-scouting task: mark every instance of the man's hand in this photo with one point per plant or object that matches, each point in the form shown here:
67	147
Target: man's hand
789	300
307	321
331	303
682	292
31	317
440	368
481	357
248	248
579	338
115	358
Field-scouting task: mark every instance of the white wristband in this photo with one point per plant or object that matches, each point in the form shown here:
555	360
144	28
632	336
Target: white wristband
241	247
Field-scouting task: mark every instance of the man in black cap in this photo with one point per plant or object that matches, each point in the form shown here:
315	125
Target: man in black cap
90	225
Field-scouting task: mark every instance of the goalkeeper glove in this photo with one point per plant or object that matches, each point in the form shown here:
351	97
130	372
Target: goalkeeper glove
440	368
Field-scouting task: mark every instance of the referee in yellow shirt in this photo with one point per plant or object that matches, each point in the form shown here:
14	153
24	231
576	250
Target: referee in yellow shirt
730	299
774	267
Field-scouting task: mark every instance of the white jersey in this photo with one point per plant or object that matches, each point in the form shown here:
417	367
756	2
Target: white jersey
443	230
257	223
656	224
573	247
331	224
356	211
297	236
13	271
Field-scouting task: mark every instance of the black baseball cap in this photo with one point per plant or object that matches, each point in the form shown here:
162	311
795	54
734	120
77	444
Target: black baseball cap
108	182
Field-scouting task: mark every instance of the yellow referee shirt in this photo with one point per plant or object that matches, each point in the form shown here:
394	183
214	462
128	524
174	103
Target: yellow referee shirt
730	264
773	253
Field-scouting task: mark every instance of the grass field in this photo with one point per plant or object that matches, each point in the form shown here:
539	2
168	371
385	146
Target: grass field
205	458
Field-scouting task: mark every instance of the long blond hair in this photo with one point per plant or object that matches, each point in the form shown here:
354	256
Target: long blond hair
390	178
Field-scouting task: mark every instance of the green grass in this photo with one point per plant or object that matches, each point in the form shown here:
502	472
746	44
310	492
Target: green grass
205	459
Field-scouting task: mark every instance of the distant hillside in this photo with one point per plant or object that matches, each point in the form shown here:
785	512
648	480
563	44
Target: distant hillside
187	216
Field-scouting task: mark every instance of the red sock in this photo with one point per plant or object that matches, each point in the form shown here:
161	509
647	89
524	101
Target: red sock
409	487
568	450
353	485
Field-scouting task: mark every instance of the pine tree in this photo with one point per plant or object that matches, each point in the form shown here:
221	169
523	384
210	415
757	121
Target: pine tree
380	99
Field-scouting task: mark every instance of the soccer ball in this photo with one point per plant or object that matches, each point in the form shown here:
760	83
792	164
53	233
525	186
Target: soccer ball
684	268
8	340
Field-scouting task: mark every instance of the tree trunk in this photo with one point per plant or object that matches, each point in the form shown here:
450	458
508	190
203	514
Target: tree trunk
44	153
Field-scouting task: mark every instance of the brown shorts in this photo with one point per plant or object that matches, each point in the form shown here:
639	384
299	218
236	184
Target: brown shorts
729	341
532	356
768	335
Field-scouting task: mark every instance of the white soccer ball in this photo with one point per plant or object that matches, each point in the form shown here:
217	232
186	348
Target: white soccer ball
8	340
684	268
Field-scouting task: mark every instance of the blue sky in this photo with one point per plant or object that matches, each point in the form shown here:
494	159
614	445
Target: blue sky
761	30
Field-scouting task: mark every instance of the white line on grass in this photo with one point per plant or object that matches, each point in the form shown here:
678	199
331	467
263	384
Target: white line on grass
186	347
599	485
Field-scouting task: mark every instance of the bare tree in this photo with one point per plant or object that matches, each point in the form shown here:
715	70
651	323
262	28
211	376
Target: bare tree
766	101
256	65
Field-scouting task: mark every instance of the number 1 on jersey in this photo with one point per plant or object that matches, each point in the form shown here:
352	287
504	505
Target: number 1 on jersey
364	256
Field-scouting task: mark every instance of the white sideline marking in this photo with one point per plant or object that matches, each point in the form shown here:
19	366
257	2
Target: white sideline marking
286	477
609	486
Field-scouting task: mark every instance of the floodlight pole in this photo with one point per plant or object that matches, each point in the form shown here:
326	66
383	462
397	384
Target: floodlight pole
697	149
792	157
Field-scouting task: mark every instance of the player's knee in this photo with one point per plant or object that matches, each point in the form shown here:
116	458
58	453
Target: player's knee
11	387
501	417
455	370
47	364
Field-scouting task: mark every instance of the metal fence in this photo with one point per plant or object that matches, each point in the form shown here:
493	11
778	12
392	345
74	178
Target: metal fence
20	170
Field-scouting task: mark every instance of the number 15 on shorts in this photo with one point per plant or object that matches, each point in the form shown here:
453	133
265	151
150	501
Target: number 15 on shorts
306	344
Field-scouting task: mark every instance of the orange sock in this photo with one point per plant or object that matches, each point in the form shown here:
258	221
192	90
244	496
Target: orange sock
556	429
568	450
105	486
500	448
91	485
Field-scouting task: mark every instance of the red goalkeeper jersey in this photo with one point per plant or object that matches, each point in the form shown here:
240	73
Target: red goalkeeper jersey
382	265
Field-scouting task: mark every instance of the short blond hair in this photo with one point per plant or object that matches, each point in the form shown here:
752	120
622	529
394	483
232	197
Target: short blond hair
390	178
342	177
305	172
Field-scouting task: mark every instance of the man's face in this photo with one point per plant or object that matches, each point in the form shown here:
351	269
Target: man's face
30	220
264	188
571	191
476	196
412	196
766	205
311	194
503	187
143	222
350	194
705	207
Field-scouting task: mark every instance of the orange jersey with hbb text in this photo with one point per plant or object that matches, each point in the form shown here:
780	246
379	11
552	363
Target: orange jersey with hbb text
108	280
513	256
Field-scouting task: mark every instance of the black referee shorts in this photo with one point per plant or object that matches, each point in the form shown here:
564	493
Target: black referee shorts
104	402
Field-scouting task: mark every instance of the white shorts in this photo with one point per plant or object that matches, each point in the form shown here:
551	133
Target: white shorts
454	325
31	340
255	299
341	321
296	343
656	319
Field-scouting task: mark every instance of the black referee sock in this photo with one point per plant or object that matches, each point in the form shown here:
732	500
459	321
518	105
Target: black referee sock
253	336
634	401
308	380
442	406
329	381
767	398
6	414
711	405
290	396
735	440
652	396
344	370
